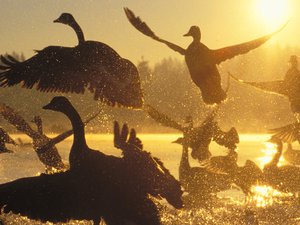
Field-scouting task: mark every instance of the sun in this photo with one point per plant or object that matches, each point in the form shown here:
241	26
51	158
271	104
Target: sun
273	13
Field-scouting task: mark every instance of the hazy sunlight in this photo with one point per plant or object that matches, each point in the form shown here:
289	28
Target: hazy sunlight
273	13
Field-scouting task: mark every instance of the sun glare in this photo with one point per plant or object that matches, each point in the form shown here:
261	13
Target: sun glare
269	151
273	13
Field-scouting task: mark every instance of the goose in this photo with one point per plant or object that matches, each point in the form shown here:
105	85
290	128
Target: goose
81	195
284	178
288	87
289	134
201	61
124	175
90	65
200	137
198	182
43	145
5	138
292	155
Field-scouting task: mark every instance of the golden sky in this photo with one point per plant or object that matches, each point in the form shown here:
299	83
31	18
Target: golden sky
28	25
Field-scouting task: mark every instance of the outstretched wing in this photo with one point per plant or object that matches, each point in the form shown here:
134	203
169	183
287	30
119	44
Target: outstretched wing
52	198
92	65
275	87
162	118
16	120
145	29
227	139
289	133
223	54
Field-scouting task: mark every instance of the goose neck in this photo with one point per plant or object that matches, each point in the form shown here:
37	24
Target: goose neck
78	126
78	32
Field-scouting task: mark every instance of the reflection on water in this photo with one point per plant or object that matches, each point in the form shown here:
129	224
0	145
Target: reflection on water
264	196
269	206
267	154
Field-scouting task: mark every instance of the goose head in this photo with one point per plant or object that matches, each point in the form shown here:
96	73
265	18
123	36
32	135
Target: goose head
65	18
194	32
59	104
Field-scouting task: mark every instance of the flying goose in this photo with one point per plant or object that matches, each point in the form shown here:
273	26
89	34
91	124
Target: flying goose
201	61
90	65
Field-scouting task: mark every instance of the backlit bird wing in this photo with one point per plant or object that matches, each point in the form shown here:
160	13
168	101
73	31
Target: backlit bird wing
162	118
275	87
12	117
47	197
145	29
227	139
92	65
222	54
289	133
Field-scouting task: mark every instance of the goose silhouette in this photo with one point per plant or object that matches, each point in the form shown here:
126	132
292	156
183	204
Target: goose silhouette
292	155
199	138
89	65
131	178
285	178
198	182
43	145
97	185
201	61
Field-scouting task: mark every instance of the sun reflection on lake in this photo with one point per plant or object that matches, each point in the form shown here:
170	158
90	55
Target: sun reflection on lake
268	152
264	196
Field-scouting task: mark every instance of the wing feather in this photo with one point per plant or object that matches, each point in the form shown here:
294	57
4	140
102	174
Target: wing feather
275	87
91	65
223	54
12	117
145	29
162	118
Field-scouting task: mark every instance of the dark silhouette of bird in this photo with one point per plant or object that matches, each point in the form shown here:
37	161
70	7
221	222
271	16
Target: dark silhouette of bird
247	176
43	145
288	87
200	137
97	185
225	164
201	61
128	180
198	182
90	65
5	138
285	178
292	155
289	134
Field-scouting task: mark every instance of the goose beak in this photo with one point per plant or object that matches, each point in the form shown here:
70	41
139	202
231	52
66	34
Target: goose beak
56	21
48	106
188	34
